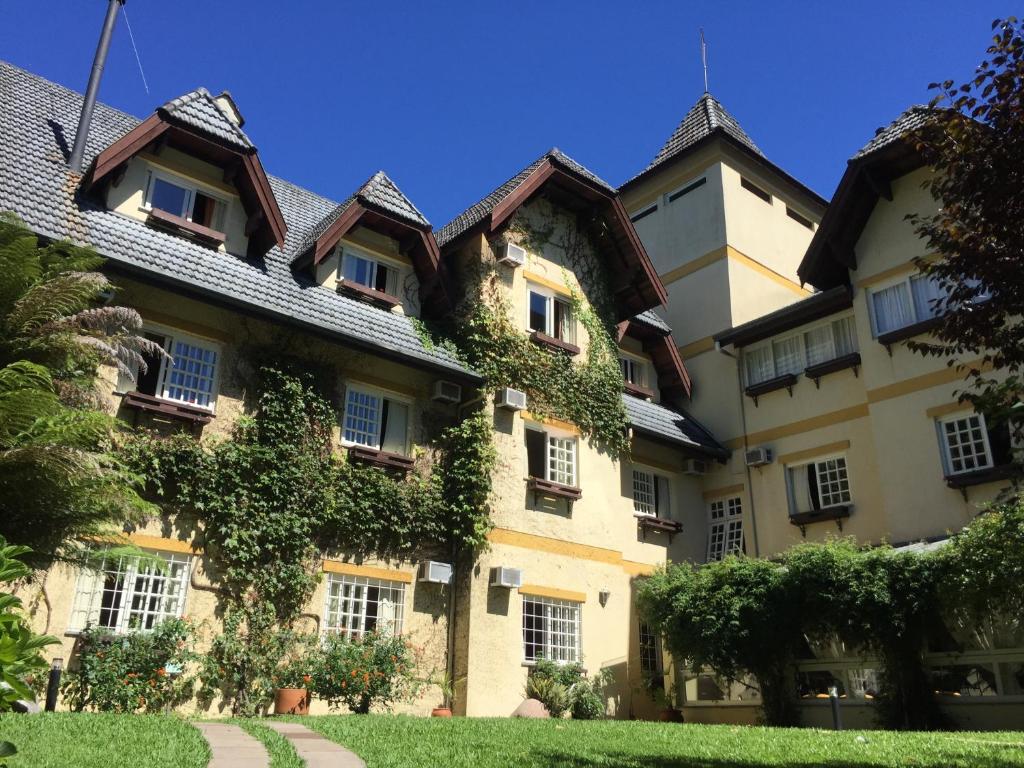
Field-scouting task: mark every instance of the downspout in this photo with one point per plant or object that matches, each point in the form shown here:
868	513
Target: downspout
93	89
746	446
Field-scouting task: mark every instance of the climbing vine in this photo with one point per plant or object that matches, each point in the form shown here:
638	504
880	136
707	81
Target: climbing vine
273	498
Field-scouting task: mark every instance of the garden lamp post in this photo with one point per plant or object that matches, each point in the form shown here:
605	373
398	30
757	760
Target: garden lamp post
53	685
833	698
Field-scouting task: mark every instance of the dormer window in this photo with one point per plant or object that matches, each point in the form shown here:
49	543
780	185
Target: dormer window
368	272
550	320
634	371
180	198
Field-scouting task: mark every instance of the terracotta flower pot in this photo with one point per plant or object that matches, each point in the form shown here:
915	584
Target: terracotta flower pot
291	701
670	715
441	712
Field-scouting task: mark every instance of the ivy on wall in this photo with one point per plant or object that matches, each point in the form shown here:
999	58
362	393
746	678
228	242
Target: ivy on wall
274	497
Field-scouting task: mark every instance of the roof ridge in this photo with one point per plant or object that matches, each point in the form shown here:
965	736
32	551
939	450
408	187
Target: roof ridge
178	106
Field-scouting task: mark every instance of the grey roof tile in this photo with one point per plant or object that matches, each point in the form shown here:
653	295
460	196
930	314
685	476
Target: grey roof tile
667	424
653	319
37	123
480	210
199	110
912	119
704	118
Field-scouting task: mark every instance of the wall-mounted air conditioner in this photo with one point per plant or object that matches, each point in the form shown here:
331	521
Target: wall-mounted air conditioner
758	457
447	392
695	467
435	572
513	255
511	399
509	578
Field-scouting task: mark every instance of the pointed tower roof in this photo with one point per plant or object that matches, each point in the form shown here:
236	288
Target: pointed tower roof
705	118
199	110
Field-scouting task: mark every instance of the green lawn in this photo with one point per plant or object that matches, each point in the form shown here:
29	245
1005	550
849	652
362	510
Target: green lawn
67	740
406	742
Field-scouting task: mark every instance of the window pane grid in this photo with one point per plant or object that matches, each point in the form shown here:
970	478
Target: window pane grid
562	460
356	605
833	483
650	653
124	594
362	418
725	528
551	629
190	377
966	444
644	500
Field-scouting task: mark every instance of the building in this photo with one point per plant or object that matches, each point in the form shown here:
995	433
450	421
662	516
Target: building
769	395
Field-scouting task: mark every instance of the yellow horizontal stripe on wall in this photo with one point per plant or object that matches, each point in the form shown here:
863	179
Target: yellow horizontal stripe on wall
220	186
386	384
144	541
369	571
771	274
692	266
810	453
634	568
551	422
924	381
906	268
938	411
698	347
202	331
554	546
728	490
804	425
553	592
547	282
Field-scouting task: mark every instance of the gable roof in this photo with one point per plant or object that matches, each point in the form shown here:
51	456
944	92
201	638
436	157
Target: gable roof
830	254
678	428
704	122
36	118
199	110
635	283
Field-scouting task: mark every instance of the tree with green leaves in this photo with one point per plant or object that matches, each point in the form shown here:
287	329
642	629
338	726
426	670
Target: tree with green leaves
975	144
59	479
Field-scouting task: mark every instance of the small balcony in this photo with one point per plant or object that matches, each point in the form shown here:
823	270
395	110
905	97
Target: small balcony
392	462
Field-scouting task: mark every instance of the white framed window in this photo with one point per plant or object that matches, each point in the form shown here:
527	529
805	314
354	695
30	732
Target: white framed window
190	375
180	197
369	271
908	301
965	441
127	593
791	354
819	484
725	528
551	455
634	370
551	629
356	605
651	661
376	419
550	313
651	494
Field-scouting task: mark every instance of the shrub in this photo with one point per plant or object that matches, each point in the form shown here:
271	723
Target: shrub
131	673
371	670
588	696
565	687
549	692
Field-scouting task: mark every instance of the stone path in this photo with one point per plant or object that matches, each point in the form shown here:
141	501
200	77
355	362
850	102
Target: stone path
317	751
232	747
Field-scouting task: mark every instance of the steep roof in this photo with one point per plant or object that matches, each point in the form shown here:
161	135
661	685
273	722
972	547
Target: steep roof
199	109
477	212
38	118
868	174
667	425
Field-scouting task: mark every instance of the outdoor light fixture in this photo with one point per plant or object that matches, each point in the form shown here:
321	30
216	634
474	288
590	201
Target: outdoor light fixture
603	596
53	684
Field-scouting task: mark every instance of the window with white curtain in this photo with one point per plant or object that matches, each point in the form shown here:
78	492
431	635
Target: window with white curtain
819	484
376	420
359	267
650	494
793	353
911	300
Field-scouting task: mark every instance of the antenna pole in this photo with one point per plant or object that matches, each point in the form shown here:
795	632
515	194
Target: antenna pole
91	92
704	58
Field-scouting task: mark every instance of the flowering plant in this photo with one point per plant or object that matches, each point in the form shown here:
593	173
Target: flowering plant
372	669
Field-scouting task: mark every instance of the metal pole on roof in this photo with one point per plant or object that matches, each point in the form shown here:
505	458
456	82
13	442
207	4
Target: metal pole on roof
89	104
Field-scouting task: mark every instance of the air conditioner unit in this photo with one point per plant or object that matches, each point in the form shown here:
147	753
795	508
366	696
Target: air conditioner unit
512	255
511	399
435	572
758	457
509	578
447	392
695	467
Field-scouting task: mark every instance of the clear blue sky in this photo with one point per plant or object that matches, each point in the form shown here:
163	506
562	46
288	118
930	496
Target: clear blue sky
452	98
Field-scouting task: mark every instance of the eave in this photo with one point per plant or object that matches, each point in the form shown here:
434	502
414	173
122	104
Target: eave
265	226
673	378
807	310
